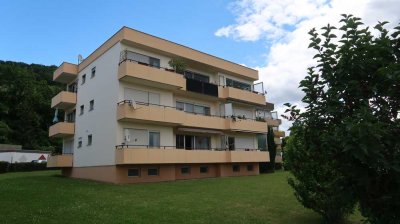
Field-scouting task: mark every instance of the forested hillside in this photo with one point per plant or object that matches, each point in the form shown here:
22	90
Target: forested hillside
25	97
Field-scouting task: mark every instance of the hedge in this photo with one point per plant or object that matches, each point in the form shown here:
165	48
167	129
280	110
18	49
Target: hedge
21	167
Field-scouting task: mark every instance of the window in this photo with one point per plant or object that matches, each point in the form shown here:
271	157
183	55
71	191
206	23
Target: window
197	76
180	105
93	72
250	167
154	139
89	140
185	170
193	142
192	108
189	107
79	142
83	79
141	96
91	105
134	172
236	168
152	172
82	109
143	59
72	88
180	141
203	169
238	85
71	116
202	142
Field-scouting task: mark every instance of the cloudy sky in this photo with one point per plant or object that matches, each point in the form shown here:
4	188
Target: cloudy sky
282	26
269	35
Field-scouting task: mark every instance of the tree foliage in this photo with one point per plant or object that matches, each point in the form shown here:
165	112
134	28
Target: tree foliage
346	145
271	147
25	96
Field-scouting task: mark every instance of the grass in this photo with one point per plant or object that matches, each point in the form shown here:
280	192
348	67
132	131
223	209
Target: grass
45	197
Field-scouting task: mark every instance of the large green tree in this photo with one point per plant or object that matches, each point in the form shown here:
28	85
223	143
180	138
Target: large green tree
345	146
25	96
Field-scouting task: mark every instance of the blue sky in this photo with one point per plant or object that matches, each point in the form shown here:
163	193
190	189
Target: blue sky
50	32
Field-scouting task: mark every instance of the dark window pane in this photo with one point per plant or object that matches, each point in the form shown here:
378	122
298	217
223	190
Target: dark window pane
203	169
236	168
180	141
133	172
154	139
185	170
250	167
152	172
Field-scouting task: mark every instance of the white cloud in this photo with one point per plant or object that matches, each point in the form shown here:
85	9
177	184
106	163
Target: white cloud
284	24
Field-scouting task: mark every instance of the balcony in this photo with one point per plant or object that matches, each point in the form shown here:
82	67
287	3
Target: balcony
149	113
181	156
247	125
62	129
152	113
132	71
60	161
66	73
277	141
279	133
64	100
205	88
241	95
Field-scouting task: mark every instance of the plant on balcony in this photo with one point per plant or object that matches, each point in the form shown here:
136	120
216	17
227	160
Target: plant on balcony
260	119
178	65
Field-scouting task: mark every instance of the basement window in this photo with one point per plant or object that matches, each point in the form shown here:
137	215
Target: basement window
236	168
134	172
203	169
152	172
185	170
250	167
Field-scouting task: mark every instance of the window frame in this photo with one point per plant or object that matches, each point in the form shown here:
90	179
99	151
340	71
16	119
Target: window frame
251	169
93	72
91	105
82	109
153	168
235	166
138	172
89	140
201	169
83	80
80	143
187	168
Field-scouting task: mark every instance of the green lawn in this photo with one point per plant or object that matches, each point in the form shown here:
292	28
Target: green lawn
45	197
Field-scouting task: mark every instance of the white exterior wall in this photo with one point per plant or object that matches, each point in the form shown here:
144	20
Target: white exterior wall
100	122
166	132
163	59
214	110
21	157
166	97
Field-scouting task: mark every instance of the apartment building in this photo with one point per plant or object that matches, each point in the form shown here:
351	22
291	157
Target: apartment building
128	116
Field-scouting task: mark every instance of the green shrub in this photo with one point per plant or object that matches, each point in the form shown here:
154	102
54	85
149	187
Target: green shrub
23	167
4	166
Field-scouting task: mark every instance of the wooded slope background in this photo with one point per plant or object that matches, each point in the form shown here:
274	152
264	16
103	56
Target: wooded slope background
25	97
